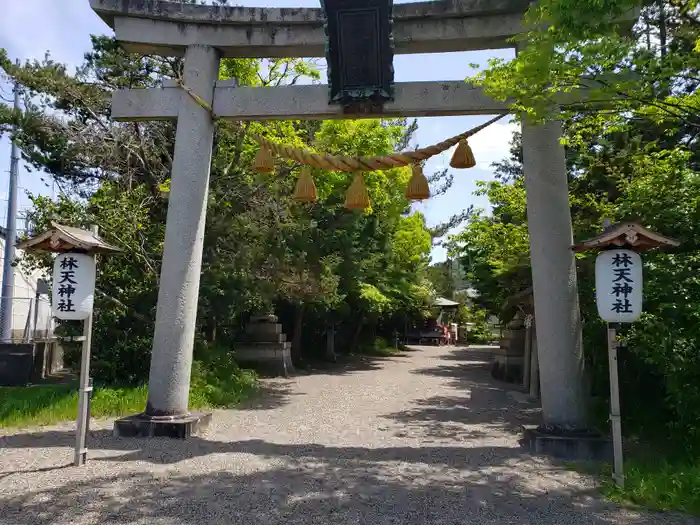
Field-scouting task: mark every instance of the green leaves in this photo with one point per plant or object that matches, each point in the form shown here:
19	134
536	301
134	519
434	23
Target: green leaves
584	54
262	250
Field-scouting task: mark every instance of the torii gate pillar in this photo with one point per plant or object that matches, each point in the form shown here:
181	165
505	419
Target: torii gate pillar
559	341
171	360
167	411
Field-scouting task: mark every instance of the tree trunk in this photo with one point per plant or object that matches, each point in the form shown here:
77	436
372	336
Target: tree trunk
296	337
330	343
358	331
663	32
210	328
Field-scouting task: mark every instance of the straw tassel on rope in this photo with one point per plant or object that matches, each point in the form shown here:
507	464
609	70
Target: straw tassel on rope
463	157
305	189
418	188
357	197
264	162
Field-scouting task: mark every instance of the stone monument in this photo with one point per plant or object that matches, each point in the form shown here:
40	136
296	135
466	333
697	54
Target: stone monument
265	346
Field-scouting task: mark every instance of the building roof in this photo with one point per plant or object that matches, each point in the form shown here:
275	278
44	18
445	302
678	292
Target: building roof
470	292
441	301
60	239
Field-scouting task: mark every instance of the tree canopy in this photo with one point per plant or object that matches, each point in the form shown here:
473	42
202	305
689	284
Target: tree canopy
315	264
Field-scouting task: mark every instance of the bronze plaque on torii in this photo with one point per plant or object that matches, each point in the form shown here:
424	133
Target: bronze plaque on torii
359	52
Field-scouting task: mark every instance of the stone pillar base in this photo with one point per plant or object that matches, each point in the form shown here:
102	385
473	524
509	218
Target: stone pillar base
144	426
576	446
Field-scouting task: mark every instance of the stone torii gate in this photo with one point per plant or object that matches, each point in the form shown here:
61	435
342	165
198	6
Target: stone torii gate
203	35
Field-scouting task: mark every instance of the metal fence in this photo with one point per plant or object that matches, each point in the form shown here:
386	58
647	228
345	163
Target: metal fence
31	319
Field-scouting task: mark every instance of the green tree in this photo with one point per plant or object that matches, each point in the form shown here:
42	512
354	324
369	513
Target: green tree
311	262
649	69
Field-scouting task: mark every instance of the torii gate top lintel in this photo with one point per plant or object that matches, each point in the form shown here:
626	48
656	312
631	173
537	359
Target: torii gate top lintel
169	29
166	28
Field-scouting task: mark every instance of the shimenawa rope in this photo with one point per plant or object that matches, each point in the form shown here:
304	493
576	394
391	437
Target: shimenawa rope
347	163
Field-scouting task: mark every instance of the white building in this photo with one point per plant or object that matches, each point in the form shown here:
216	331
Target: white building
25	301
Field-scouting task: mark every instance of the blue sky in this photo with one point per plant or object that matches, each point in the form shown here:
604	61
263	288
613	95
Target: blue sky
30	28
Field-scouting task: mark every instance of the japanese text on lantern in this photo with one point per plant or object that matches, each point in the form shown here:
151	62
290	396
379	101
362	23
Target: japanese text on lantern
65	284
73	286
619	286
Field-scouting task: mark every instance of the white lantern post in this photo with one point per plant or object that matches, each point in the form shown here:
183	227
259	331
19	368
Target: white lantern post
618	285
73	299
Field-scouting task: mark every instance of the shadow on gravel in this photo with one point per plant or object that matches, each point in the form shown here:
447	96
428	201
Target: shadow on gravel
471	353
480	407
269	396
348	364
169	451
483	413
276	392
311	484
321	485
467	368
31	471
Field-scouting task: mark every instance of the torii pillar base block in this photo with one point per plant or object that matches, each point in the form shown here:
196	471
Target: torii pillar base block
179	427
572	446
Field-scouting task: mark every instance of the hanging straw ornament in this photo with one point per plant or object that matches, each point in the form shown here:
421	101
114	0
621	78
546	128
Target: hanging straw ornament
357	197
264	163
305	189
418	188
463	156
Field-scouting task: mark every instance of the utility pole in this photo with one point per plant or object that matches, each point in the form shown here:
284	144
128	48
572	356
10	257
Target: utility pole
8	274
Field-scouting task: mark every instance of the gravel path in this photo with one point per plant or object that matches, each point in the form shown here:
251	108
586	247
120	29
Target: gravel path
424	438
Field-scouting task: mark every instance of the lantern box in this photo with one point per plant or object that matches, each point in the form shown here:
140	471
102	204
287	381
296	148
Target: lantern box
73	286
359	53
618	270
618	284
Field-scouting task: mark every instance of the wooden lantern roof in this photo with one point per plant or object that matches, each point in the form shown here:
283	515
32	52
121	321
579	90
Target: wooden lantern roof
628	234
62	239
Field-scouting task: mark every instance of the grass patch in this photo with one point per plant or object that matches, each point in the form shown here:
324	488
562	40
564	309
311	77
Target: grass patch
216	383
220	383
657	483
660	484
47	404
